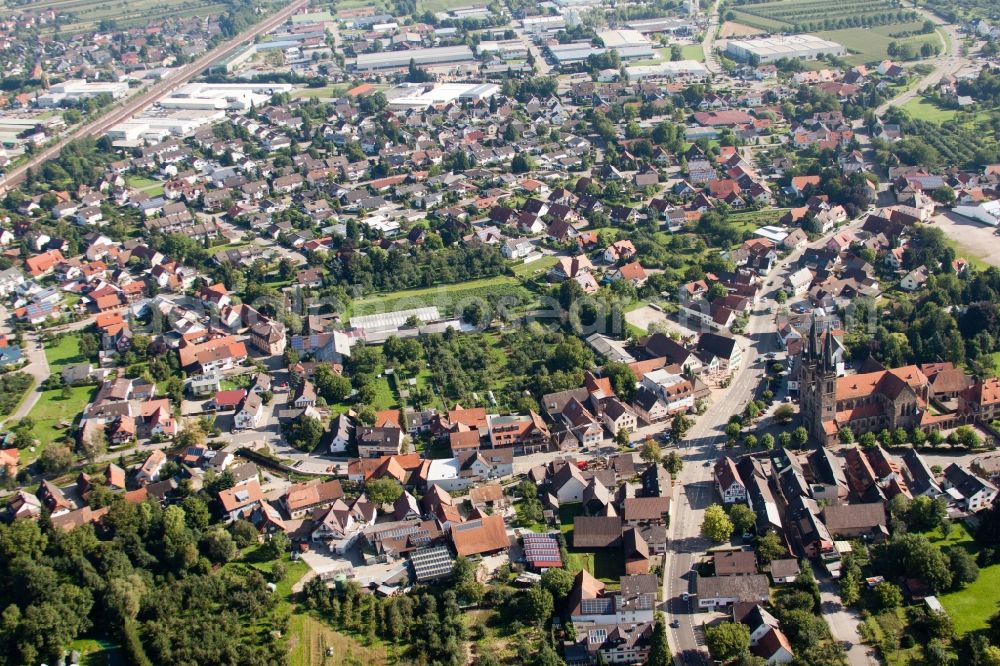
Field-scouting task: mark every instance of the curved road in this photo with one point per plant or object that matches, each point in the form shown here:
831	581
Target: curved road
946	64
136	103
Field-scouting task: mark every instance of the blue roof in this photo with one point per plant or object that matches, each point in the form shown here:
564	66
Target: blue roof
10	355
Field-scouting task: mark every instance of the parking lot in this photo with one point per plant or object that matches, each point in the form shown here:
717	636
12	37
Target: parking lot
972	239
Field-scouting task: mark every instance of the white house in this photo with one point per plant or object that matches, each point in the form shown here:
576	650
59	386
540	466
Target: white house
728	482
249	412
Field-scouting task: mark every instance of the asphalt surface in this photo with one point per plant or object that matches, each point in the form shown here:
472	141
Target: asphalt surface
694	485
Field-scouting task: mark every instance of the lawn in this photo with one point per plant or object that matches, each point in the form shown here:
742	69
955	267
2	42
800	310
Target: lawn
922	109
63	353
536	267
98	652
51	410
693	52
444	296
971	607
323	92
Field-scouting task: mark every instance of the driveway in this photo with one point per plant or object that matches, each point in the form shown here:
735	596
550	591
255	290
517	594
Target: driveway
843	622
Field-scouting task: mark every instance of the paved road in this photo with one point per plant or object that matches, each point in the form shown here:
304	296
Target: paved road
136	103
694	486
38	368
946	64
708	44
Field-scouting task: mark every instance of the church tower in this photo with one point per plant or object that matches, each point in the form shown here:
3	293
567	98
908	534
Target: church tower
818	383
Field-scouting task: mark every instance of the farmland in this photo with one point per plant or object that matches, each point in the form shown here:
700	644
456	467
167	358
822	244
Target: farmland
872	44
81	15
955	145
815	15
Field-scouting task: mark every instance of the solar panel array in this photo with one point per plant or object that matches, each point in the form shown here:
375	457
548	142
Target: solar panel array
429	563
541	548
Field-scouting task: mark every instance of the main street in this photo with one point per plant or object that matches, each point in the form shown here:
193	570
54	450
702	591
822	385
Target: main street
136	103
694	485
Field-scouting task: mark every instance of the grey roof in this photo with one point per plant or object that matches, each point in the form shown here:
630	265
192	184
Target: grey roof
753	587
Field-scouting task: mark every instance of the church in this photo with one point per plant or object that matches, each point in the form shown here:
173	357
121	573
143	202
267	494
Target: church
865	402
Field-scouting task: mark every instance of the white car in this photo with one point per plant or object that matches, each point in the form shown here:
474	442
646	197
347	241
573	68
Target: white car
685	596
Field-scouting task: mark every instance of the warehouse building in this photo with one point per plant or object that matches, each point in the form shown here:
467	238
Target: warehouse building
423	96
537	25
628	44
770	49
76	90
508	48
389	60
670	26
690	70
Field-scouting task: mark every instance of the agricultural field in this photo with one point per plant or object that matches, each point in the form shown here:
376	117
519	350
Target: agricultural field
956	145
815	15
313	643
871	44
734	29
82	15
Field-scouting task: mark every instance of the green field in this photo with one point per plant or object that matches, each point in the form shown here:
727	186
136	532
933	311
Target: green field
442	5
153	188
63	353
871	44
81	15
978	602
53	409
537	267
923	109
322	93
445	297
693	52
98	652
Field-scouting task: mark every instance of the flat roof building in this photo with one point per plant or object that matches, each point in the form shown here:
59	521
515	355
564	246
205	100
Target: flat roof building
770	49
679	69
444	55
420	97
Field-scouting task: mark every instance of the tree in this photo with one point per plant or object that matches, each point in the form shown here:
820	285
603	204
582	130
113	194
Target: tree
767	441
888	595
728	640
383	491
659	648
769	547
924	514
558	582
845	435
520	164
673	463
716	525
784	413
785	438
304	433
800	436
650	452
781	297
622	379
538	605
733	430
680	425
622	437
750	441
963	567
742	517
867	440
219	546
55	460
94	445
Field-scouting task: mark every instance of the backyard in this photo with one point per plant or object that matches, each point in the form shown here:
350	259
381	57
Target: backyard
63	352
53	409
605	565
444	297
